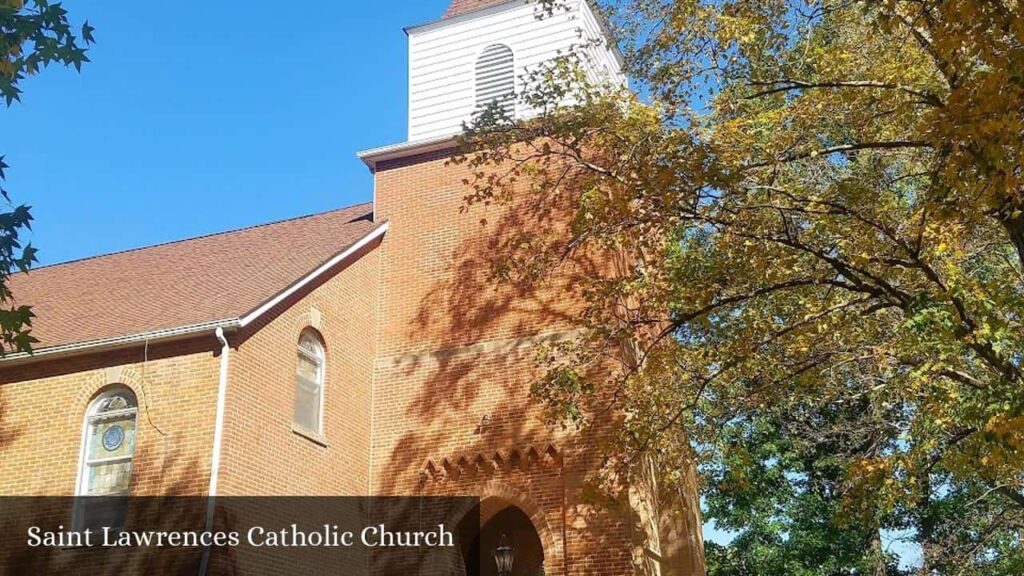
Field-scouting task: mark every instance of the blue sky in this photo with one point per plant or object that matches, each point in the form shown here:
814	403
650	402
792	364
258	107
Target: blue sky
195	117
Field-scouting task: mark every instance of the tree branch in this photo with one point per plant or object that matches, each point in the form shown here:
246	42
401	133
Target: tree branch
788	84
890	145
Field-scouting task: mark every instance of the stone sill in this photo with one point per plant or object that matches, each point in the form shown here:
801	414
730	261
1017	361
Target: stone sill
313	437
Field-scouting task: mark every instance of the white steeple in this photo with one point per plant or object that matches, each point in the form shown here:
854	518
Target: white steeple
481	50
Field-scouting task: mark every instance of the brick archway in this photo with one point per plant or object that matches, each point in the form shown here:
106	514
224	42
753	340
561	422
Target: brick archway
497	496
510	527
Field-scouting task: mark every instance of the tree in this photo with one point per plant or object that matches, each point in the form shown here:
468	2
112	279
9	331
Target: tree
823	207
33	35
777	486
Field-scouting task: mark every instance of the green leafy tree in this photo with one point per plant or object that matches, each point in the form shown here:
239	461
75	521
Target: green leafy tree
33	35
822	204
778	486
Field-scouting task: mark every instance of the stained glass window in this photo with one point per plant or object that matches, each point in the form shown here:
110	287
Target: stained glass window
109	445
106	466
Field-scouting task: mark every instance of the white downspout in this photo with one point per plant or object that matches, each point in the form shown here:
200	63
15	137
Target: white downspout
218	435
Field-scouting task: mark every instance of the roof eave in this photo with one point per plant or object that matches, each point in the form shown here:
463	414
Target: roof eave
458	17
337	259
404	149
191	330
118	342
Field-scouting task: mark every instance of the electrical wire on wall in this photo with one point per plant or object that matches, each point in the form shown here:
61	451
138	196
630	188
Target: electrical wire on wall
145	393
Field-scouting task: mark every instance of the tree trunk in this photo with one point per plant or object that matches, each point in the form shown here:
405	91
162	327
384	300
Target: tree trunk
926	525
878	567
1012	219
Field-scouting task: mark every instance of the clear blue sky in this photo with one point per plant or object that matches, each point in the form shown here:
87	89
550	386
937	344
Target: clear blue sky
195	117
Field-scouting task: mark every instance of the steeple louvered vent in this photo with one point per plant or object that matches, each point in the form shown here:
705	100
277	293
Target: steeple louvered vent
495	78
488	51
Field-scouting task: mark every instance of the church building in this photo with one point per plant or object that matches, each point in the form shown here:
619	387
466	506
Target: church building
362	351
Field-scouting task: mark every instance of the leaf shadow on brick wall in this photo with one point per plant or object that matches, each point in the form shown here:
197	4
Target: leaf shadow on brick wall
8	432
491	302
481	327
448	444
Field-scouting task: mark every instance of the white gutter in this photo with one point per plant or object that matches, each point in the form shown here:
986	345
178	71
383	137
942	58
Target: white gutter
402	149
218	437
218	426
120	341
255	314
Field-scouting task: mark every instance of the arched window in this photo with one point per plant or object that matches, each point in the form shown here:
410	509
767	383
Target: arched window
309	382
109	445
495	78
105	467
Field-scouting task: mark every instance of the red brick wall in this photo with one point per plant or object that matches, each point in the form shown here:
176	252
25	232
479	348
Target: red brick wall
456	348
43	404
262	454
42	410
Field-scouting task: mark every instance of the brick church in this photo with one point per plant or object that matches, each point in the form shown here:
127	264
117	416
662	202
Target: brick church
362	351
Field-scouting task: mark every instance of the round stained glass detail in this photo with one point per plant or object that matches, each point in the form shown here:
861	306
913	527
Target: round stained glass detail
113	437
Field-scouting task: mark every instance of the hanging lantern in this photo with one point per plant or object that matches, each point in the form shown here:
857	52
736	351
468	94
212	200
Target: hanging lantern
504	555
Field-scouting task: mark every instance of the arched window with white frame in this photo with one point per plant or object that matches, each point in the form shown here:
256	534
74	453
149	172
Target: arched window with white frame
105	466
309	383
495	79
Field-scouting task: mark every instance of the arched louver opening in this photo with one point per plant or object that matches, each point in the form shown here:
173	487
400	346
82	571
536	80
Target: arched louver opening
495	78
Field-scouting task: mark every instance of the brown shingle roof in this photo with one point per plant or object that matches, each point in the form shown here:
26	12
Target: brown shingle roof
462	6
216	277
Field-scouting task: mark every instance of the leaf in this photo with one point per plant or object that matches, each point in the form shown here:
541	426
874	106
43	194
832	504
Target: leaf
87	31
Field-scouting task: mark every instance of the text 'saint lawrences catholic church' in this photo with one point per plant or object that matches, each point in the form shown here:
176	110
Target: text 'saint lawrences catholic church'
359	351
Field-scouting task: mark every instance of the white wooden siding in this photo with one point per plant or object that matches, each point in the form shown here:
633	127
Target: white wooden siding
443	54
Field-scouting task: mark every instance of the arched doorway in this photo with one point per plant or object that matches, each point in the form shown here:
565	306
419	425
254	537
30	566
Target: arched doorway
500	518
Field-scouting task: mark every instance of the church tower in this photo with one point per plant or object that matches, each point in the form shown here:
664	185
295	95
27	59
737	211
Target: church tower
483	49
456	350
